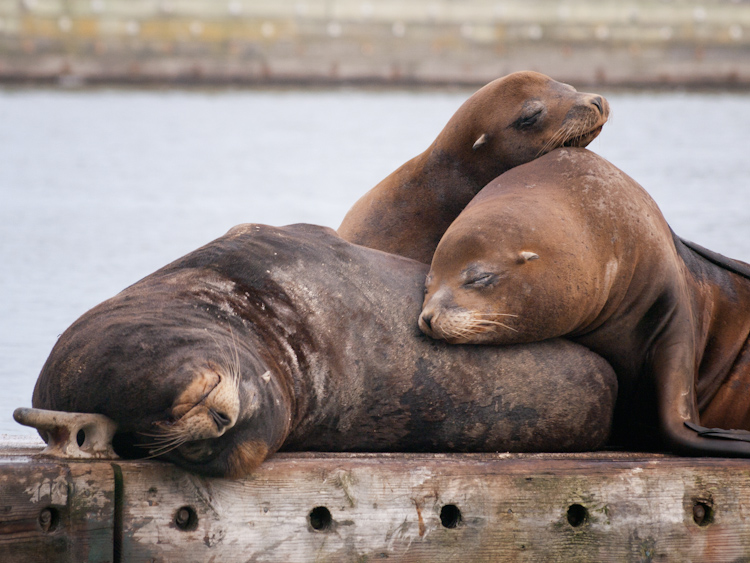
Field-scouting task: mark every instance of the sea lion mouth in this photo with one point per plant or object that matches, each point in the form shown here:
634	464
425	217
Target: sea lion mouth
198	451
583	139
206	409
466	326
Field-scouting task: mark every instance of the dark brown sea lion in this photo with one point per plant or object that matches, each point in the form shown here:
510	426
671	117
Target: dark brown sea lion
570	246
293	338
508	122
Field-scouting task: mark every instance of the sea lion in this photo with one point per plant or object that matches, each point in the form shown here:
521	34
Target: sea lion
508	122
293	338
570	246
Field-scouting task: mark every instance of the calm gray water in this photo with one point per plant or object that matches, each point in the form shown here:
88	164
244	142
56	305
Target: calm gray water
100	188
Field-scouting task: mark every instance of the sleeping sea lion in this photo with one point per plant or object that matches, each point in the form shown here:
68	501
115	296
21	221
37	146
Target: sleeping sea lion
570	246
510	121
293	338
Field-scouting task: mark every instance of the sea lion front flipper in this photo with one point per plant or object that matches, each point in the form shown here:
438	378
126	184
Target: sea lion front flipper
673	367
723	433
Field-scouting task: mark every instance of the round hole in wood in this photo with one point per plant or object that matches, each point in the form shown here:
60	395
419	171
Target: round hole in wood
320	518
450	516
703	513
49	519
577	515
186	519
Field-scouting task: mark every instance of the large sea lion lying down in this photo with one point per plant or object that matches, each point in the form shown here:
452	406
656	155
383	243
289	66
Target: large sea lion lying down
510	121
570	246
293	338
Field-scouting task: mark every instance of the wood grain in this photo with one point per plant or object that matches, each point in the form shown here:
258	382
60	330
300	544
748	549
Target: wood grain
298	507
513	508
55	511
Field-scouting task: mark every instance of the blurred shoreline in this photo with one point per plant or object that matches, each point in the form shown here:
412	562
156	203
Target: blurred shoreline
606	43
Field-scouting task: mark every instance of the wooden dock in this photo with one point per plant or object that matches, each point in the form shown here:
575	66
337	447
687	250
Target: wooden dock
369	507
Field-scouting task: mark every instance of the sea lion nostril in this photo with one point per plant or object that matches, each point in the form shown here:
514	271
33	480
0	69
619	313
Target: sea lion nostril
427	319
597	101
220	419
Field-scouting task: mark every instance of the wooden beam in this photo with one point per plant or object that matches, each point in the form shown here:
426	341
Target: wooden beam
592	507
602	506
55	511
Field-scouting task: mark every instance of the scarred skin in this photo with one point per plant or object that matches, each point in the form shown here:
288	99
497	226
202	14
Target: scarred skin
510	121
293	338
570	246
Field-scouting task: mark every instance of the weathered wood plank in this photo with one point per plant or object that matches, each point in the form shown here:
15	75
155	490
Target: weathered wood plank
55	511
594	507
365	507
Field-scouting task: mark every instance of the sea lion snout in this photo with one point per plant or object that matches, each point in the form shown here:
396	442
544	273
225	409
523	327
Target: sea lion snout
425	323
449	321
588	100
601	104
443	319
584	121
207	408
433	303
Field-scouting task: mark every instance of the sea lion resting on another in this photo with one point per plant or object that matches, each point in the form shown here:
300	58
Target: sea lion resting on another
508	122
570	246
292	338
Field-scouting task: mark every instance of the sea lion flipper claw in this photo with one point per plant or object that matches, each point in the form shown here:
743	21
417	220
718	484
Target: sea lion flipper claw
721	433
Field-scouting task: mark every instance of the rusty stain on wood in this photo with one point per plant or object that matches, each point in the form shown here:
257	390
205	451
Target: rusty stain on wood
602	506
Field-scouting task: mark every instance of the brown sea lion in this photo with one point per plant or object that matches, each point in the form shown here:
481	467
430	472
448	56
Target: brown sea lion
508	122
570	246
293	338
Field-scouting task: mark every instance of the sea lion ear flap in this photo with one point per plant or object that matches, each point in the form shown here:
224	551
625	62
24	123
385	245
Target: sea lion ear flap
480	141
526	256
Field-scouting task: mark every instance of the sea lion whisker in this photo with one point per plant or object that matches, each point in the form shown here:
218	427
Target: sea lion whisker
467	330
166	449
453	332
480	315
235	370
575	133
156	449
166	435
165	432
497	323
564	134
164	445
226	359
553	141
231	359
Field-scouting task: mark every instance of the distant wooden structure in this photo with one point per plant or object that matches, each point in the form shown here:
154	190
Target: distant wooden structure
594	42
370	507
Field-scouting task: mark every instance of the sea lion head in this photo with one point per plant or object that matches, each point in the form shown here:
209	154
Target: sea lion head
511	270
180	373
518	118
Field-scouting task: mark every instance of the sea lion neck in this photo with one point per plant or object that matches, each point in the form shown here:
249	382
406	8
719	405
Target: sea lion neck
462	151
440	177
433	175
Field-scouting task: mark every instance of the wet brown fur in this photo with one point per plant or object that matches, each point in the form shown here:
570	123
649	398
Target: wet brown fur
324	337
611	275
409	211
